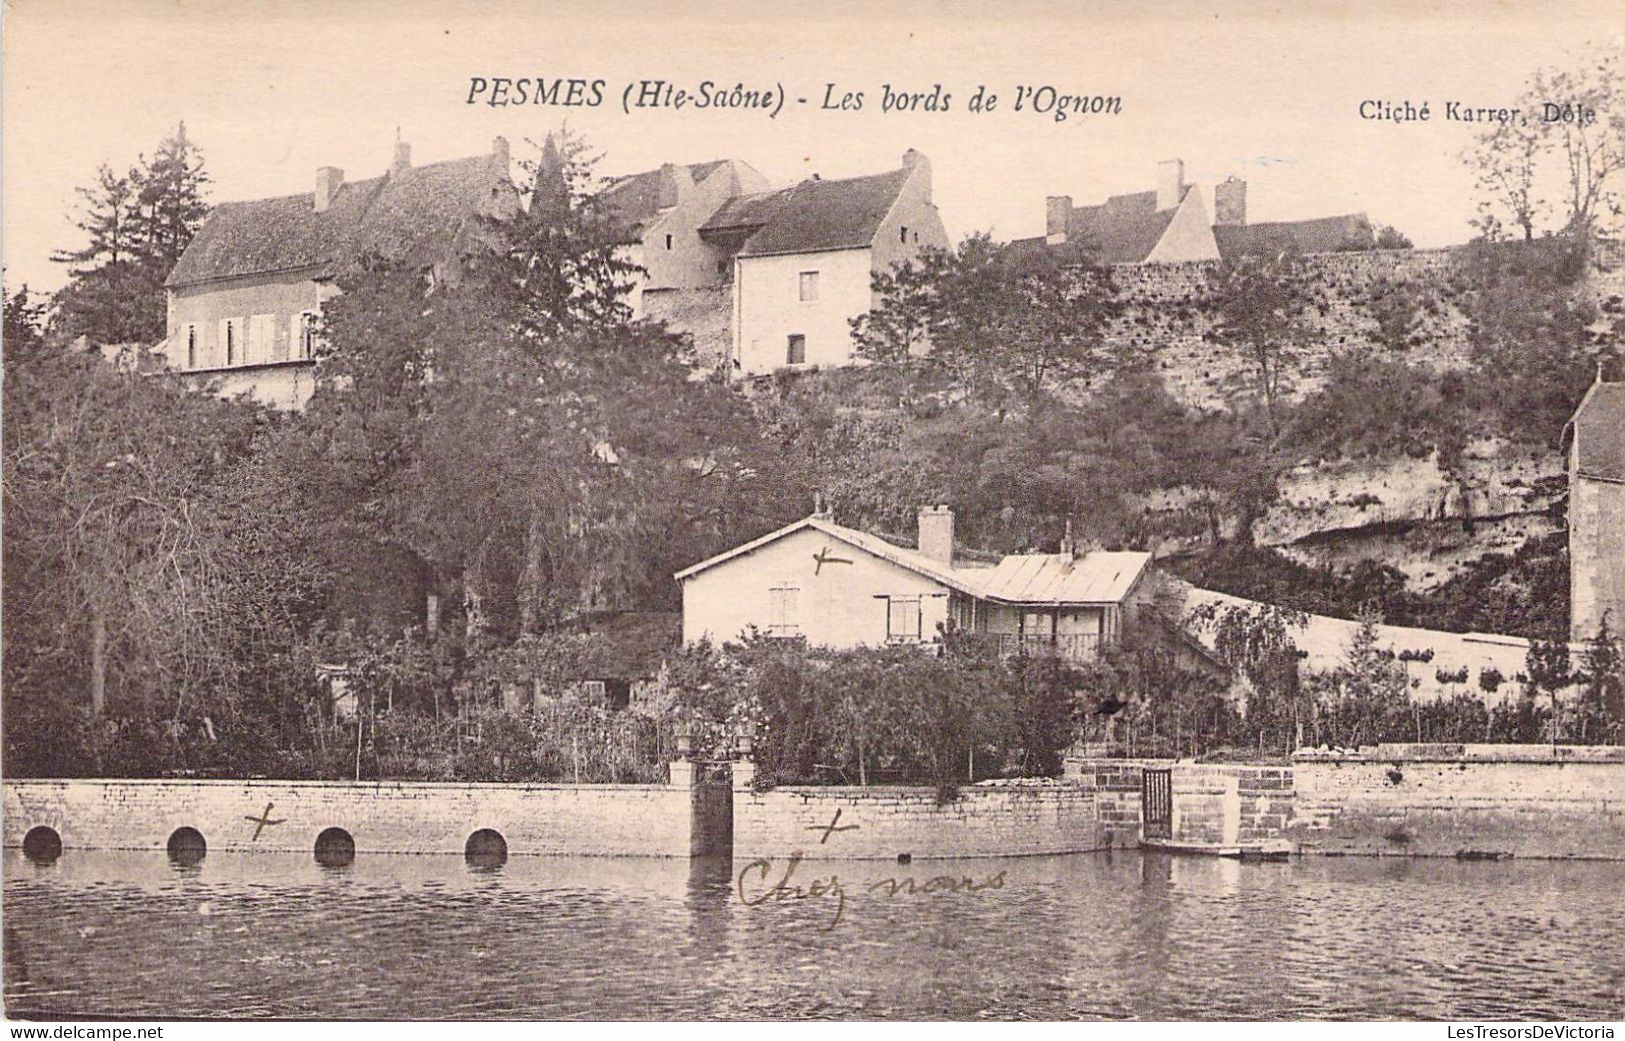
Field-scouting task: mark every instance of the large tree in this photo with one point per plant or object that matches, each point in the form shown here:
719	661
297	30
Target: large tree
1556	165
1011	326
1260	303
153	567
135	226
517	431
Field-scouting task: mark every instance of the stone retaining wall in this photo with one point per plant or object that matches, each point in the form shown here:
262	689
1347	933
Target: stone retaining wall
607	819
1474	800
885	823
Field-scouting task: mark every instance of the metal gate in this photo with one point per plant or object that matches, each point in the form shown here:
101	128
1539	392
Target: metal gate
1157	804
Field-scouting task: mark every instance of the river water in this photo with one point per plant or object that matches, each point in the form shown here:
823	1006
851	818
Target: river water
1092	936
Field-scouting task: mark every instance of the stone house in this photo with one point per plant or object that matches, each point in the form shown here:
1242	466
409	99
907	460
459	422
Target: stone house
838	587
1596	436
803	258
1169	225
245	296
662	212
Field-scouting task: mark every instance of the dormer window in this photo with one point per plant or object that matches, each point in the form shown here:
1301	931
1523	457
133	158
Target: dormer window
902	235
668	243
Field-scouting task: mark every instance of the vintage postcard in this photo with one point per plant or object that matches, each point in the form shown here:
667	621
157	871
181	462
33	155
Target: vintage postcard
710	512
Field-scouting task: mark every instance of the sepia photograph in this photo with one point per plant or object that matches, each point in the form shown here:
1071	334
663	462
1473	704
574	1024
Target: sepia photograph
884	513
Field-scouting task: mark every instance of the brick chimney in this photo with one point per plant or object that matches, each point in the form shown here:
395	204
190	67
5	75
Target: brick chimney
328	180
937	533
1170	183
1057	215
1230	201
403	159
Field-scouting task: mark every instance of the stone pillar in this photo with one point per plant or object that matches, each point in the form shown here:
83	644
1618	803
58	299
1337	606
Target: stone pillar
744	774
683	773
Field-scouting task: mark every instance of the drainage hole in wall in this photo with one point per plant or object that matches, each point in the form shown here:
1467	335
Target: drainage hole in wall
486	849
186	846
335	848
42	845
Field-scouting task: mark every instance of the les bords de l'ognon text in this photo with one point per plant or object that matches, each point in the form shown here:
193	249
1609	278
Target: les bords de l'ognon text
1043	100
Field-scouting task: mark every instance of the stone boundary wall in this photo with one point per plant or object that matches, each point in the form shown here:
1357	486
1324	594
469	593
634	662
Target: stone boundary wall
608	819
885	823
1481	801
1388	800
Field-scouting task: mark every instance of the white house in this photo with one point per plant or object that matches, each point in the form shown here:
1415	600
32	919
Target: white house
804	257
838	587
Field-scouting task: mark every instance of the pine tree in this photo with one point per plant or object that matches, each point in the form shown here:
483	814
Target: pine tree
136	226
169	202
565	265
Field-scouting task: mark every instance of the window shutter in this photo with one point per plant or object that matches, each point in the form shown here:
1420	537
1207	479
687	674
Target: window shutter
221	357
784	610
296	324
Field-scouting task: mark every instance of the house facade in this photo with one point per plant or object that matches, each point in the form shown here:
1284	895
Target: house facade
838	587
1170	225
662	212
804	258
245	298
1597	512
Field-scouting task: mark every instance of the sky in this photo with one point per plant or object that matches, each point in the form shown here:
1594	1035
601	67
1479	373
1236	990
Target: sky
1266	92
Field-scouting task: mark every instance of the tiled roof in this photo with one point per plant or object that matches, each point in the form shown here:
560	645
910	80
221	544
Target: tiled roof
635	198
1322	235
414	216
1030	578
745	212
1122	230
818	215
1599	432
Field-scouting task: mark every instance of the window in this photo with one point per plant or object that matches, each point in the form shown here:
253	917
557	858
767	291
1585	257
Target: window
191	346
228	341
903	619
725	270
784	611
261	331
304	333
902	234
809	286
668	242
796	352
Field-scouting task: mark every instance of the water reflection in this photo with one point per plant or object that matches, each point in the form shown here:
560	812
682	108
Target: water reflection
1094	936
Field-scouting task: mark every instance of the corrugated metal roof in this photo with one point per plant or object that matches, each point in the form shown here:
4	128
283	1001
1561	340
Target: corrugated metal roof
1059	578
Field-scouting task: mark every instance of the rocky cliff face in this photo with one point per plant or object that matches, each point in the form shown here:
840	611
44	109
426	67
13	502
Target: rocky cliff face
1415	515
